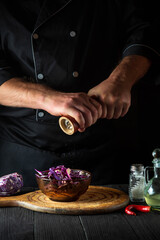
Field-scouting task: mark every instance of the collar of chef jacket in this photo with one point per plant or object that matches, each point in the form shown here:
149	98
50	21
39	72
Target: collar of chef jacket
49	9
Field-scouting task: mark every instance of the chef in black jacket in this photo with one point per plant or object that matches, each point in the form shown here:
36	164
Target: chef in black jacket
68	57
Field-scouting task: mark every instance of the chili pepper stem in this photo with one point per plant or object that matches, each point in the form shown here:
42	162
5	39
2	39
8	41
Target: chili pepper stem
155	209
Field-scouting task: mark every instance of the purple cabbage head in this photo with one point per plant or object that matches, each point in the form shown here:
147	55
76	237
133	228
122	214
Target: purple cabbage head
10	184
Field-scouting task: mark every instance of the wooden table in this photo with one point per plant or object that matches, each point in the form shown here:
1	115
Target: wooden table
22	224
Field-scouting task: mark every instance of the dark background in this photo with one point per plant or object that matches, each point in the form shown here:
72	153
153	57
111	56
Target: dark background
138	133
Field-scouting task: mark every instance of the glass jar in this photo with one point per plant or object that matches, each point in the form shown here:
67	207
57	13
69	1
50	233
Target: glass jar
152	188
136	183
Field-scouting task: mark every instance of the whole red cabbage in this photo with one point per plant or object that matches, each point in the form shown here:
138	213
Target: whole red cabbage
10	184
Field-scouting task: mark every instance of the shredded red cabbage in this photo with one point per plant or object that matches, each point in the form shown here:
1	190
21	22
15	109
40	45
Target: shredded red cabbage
10	184
62	174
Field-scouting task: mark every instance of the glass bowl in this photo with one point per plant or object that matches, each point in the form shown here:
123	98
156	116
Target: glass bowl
64	191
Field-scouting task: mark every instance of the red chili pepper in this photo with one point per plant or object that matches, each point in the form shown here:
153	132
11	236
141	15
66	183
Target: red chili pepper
140	208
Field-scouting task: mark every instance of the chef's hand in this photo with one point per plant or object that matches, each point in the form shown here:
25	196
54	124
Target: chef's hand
114	96
114	93
84	109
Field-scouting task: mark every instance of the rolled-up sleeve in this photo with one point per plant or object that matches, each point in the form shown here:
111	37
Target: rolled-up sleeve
140	37
143	50
6	71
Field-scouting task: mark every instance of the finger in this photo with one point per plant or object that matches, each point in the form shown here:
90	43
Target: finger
91	111
87	108
104	111
117	112
81	129
89	117
97	105
82	114
110	112
86	114
78	116
125	110
103	106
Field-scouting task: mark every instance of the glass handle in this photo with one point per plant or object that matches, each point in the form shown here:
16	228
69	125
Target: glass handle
146	173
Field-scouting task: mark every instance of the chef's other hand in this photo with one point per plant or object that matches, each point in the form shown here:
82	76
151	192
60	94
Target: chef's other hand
114	93
114	96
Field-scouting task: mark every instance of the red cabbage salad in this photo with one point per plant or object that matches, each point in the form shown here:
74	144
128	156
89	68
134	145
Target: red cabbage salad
62	175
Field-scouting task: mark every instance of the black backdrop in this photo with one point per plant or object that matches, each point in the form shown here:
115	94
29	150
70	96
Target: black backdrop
138	133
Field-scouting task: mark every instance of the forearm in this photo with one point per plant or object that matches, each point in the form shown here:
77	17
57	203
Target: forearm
130	70
115	92
18	93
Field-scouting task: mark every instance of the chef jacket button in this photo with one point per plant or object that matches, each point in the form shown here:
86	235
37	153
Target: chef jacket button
75	74
72	33
40	76
41	114
35	36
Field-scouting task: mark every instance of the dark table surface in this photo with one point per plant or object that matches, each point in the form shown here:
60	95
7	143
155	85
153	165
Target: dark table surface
18	223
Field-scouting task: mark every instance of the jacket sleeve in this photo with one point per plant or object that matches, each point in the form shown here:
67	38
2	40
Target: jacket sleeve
140	33
6	71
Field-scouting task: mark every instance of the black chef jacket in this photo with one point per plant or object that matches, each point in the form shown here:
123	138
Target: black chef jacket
71	46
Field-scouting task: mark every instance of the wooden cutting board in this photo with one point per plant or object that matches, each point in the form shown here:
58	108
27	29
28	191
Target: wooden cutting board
95	201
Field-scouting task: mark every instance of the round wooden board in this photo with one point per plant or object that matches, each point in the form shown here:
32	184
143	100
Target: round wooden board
95	201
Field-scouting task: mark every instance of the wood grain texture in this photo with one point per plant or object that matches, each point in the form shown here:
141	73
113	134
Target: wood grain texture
96	200
22	224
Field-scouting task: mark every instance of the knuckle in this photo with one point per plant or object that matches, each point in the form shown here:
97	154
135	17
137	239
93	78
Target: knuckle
66	105
70	100
103	98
